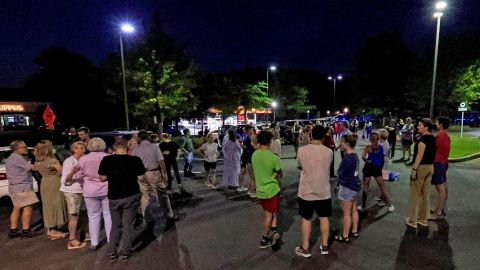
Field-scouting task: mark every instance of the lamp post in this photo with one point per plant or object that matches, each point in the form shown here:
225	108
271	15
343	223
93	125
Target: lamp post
334	79
271	68
439	6
125	28
274	106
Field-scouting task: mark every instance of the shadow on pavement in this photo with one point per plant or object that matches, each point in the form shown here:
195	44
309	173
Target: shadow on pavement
424	251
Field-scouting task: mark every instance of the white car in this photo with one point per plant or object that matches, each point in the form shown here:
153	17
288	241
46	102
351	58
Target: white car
4	152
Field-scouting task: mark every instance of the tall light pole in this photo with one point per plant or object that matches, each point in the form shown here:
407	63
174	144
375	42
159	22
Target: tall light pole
334	79
271	68
125	28
274	106
438	6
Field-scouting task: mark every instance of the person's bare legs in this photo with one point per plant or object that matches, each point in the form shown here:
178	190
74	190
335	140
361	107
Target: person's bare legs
213	177
366	188
269	221
243	171
354	217
324	230
384	194
347	217
252	178
206	177
306	226
14	216
72	226
26	216
442	198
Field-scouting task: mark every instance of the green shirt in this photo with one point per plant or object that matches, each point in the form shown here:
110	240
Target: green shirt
265	165
187	143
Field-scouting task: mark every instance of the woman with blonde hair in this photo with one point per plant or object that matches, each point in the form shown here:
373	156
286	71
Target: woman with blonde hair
131	145
53	203
95	191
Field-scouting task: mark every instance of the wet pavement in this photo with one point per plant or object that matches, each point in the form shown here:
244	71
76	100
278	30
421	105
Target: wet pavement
221	230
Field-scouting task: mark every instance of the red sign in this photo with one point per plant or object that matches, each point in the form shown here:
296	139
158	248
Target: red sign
49	117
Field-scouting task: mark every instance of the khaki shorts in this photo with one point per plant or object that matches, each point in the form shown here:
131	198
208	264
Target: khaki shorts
74	202
22	199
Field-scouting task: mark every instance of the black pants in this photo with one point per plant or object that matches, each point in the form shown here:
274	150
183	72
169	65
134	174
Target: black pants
392	147
172	163
123	212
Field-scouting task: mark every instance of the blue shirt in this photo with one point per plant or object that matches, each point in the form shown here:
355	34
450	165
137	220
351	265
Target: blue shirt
348	172
376	156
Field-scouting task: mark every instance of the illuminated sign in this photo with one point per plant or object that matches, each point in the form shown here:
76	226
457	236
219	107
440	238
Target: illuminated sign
11	108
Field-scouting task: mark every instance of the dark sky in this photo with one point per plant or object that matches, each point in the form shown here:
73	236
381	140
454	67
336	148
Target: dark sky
223	34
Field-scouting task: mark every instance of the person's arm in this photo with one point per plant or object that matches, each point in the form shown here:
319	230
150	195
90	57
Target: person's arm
58	167
365	153
103	170
103	178
201	150
418	160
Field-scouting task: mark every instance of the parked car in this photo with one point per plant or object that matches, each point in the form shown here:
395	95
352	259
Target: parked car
4	153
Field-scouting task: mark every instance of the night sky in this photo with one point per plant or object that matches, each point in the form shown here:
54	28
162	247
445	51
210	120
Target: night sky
224	34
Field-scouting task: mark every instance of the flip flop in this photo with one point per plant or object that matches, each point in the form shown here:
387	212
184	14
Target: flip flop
70	246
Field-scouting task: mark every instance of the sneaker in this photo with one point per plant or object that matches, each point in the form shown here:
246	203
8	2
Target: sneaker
360	208
275	241
409	225
14	234
124	257
391	208
302	252
252	194
242	189
30	234
423	224
266	242
208	184
113	256
213	187
324	249
381	204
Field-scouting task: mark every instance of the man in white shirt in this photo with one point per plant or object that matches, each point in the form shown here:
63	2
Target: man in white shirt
314	193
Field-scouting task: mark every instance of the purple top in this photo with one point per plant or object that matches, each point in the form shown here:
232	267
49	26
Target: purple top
18	174
89	164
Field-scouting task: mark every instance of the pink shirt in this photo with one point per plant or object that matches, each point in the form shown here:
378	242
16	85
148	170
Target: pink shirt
89	164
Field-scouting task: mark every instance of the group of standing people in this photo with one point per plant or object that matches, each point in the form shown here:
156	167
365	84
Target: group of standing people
109	183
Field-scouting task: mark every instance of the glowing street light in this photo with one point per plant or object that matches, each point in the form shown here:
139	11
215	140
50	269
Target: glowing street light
328	112
439	6
274	106
125	28
334	79
345	110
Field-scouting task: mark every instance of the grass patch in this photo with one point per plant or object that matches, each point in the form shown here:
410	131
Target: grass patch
456	128
466	146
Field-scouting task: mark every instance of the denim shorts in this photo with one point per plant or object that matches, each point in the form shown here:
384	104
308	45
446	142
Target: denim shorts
346	194
439	173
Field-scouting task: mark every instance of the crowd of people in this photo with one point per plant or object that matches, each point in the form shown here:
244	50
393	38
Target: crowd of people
105	185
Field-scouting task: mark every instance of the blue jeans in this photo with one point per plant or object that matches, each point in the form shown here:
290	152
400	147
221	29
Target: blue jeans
187	168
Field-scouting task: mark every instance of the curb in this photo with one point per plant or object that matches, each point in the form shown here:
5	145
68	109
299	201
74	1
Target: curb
465	158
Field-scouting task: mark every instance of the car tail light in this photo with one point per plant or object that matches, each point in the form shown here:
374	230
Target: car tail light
3	176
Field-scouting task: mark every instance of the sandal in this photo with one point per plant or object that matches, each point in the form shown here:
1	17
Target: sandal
113	257
354	235
56	235
71	246
341	238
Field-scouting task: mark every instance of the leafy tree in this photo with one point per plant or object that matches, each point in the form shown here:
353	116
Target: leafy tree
162	90
297	101
467	84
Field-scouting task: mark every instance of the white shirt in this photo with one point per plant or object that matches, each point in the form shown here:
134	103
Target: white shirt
68	165
211	151
276	147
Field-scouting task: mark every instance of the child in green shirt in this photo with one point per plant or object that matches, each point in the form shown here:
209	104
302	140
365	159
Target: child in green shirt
267	169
